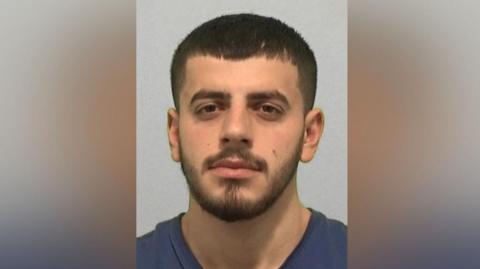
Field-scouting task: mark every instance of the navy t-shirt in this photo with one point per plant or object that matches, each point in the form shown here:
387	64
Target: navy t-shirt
324	245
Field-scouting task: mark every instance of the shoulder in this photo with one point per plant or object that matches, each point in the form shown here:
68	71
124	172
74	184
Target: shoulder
335	229
161	231
152	243
327	241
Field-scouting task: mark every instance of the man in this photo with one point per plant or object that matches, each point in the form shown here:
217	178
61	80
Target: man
244	88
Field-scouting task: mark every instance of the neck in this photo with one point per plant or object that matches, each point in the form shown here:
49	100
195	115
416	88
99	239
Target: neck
262	242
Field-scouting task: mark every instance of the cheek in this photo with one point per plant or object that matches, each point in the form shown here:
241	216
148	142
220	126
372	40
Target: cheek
277	145
197	143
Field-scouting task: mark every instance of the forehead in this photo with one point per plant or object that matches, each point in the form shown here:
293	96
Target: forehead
240	77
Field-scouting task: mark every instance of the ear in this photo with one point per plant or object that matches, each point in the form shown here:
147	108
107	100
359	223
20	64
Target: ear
173	134
314	122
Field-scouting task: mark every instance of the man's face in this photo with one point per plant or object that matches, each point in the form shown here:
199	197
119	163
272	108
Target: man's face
239	133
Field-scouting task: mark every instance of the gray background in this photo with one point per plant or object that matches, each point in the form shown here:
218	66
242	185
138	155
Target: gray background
161	25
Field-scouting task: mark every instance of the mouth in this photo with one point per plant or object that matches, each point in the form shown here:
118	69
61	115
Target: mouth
234	169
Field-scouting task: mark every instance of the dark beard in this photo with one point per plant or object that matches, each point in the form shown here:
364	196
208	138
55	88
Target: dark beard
232	207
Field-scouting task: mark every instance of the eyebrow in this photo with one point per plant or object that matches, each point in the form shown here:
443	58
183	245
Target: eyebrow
251	97
268	95
209	94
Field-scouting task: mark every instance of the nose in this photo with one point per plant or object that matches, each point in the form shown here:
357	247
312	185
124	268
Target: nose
236	129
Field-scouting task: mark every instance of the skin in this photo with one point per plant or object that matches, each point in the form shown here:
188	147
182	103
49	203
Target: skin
270	128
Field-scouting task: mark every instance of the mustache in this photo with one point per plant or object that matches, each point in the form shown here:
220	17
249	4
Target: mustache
243	154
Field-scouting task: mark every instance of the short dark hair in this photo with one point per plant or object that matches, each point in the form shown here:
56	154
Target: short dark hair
240	36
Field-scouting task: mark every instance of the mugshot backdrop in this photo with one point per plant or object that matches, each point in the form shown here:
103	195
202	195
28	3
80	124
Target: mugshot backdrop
161	188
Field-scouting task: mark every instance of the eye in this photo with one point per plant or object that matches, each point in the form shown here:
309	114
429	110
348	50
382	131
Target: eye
209	108
208	111
270	112
269	109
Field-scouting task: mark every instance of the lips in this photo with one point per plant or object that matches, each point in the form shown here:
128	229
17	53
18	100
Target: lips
234	168
234	164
